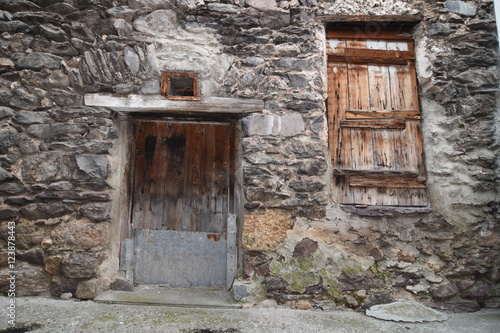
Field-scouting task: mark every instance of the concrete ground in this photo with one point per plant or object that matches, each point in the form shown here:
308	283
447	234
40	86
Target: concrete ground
43	314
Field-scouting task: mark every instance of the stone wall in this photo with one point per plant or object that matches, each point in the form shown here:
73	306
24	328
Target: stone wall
59	157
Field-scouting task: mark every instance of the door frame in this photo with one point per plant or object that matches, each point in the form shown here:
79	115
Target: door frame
235	209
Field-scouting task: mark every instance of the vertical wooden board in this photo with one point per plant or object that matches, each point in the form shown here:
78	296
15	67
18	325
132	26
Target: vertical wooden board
208	177
359	91
221	175
337	104
378	77
401	88
175	144
339	141
191	215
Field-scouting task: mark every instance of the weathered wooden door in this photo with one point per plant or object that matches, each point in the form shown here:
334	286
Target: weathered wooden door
374	122
181	202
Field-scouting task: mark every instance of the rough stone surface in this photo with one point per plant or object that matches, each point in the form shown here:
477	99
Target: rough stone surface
122	285
61	161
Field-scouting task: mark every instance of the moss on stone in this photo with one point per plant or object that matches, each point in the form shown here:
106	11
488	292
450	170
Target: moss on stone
299	280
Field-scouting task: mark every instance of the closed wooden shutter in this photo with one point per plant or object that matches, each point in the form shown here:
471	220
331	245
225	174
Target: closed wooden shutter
374	123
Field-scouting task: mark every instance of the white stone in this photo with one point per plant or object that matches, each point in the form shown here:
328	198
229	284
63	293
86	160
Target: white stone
263	5
406	311
160	23
461	8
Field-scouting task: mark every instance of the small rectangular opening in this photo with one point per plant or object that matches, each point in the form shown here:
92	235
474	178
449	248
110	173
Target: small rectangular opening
179	85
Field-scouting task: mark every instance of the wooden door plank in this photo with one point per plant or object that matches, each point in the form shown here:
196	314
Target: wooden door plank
338	142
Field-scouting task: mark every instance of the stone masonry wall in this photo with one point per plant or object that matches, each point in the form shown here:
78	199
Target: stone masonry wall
58	157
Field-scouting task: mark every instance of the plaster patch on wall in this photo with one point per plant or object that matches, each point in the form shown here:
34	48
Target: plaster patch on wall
264	230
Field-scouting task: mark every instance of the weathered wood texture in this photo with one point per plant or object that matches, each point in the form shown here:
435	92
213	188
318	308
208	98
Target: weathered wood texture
182	176
157	103
373	112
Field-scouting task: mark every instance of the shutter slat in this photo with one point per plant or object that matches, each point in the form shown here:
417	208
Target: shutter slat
399	114
375	123
393	183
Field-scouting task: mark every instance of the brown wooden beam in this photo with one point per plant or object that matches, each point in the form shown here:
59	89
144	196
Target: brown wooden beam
376	173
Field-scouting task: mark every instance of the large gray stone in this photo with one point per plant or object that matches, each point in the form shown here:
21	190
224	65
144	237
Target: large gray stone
5	175
222	8
8	138
53	131
29	117
47	166
23	99
124	13
44	210
123	28
81	265
97	212
5	112
462	8
91	167
39	60
53	32
274	20
306	185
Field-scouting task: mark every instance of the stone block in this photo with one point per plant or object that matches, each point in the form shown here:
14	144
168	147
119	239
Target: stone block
121	285
162	22
461	8
80	234
28	118
44	210
30	280
304	248
39	60
81	265
263	5
53	265
97	212
91	167
5	112
91	288
366	280
277	125
8	138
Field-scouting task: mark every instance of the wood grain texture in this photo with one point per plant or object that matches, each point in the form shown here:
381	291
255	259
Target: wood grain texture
376	142
182	176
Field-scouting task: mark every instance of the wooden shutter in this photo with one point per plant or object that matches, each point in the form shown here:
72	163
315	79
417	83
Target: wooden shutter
374	123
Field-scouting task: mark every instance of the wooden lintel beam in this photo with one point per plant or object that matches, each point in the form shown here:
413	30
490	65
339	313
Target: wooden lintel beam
158	103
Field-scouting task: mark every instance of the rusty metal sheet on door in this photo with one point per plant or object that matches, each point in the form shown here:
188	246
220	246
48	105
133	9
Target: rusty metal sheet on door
180	258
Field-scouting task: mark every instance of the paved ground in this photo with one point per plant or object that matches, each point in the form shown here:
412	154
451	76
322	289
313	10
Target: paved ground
51	315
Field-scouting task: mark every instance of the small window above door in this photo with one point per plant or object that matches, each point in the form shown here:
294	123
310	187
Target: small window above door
180	85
